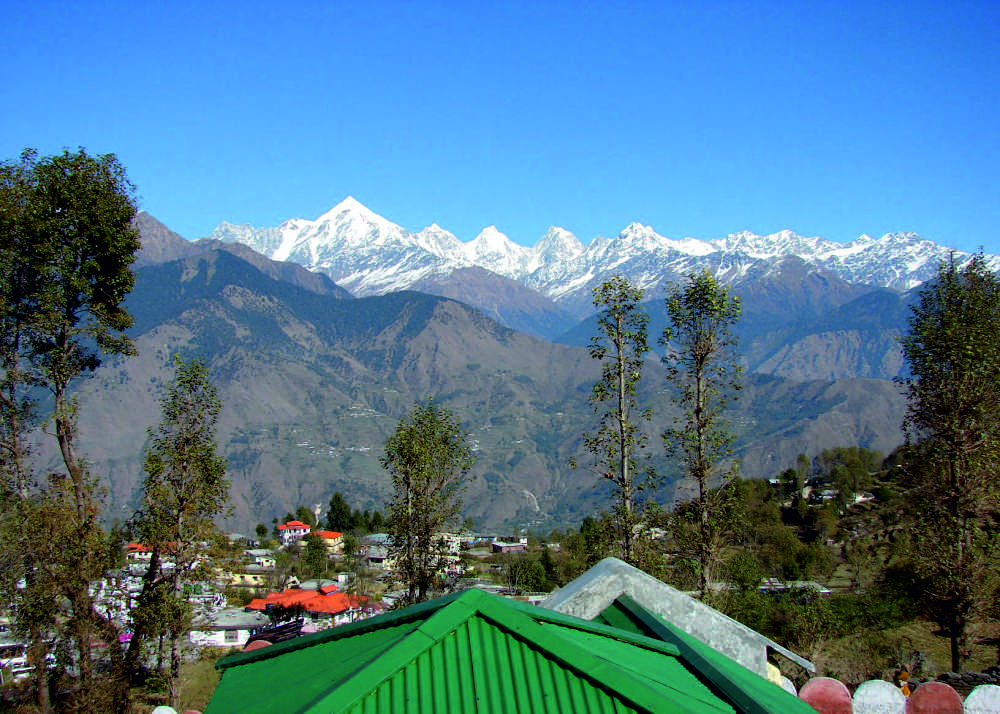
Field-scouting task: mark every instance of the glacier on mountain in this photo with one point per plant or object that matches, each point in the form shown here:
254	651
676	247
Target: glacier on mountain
368	254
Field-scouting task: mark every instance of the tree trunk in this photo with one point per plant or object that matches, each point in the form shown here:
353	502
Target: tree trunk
41	674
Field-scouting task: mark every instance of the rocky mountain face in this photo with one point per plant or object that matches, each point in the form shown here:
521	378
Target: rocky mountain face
314	380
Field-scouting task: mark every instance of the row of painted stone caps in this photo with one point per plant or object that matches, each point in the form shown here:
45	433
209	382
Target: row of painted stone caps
830	696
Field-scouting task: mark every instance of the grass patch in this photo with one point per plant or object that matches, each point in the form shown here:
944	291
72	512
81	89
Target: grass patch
198	679
877	655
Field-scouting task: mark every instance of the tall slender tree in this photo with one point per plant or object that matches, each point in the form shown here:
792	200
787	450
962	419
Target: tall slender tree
702	368
184	491
66	248
428	457
620	346
952	427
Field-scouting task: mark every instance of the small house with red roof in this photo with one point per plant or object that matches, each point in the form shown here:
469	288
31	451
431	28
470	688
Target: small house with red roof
333	540
292	532
138	552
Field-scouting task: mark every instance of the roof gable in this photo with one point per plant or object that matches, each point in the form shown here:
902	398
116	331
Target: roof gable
599	587
471	651
294	525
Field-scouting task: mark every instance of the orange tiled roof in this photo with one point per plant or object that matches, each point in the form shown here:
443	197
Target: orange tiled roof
328	600
329	535
298	525
143	548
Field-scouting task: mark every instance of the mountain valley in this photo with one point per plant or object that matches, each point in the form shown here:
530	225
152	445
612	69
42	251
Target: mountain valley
314	379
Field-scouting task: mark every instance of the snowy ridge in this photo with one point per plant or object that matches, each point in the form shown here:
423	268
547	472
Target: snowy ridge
368	254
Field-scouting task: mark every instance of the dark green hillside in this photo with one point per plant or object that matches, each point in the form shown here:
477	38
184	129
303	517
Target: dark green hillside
819	330
312	385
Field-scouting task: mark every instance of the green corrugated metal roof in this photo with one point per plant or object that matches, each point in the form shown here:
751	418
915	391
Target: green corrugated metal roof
747	690
474	652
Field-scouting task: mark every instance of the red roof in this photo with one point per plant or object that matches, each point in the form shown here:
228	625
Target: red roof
297	525
336	602
143	548
324	600
328	535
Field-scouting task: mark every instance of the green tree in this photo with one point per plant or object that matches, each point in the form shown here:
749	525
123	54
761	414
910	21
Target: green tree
338	515
704	372
952	426
620	346
428	457
305	515
66	248
184	491
350	546
314	555
522	573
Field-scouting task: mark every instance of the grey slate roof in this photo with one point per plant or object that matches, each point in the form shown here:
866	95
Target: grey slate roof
591	593
232	619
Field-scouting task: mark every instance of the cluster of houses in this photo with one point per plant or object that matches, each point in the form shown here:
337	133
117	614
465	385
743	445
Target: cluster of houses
272	598
320	604
315	604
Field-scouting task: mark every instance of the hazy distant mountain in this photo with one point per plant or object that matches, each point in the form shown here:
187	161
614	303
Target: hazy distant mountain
313	382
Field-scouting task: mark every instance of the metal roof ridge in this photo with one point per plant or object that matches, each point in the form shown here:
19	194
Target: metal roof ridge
523	622
717	679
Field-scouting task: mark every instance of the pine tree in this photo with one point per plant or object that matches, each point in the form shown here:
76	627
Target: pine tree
953	431
338	516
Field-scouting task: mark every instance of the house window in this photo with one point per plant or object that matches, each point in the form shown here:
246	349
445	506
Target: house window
232	636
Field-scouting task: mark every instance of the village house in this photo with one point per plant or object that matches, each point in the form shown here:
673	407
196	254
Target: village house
503	546
292	532
250	576
376	557
231	627
138	552
261	557
333	540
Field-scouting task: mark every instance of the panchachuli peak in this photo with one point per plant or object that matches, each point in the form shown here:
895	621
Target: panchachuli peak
368	254
349	205
558	244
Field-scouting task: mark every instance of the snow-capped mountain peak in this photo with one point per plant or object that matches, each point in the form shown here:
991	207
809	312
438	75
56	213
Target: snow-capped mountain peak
369	254
558	244
350	211
494	251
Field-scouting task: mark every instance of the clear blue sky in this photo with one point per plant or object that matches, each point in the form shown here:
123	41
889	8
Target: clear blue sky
698	118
